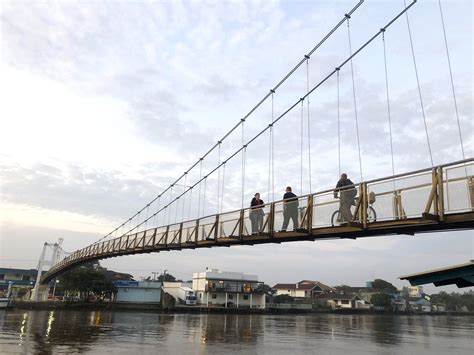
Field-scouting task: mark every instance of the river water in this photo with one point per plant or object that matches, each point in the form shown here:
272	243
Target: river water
127	332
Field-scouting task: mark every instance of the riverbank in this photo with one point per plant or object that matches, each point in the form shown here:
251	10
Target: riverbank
52	305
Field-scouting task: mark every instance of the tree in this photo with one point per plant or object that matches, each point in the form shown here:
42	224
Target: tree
266	289
283	299
167	278
384	286
87	278
380	300
343	289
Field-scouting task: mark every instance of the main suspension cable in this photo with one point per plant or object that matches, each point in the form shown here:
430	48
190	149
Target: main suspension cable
321	82
318	45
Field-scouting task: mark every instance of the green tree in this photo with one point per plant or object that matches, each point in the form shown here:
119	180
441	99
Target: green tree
167	278
266	289
86	279
380	300
283	299
343	289
384	286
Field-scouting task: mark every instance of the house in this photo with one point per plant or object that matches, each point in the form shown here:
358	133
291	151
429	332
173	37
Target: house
228	289
343	301
303	289
23	280
419	304
438	307
130	291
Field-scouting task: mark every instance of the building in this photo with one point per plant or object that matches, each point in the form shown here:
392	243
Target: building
23	280
419	304
228	289
343	301
303	289
182	292
129	291
415	291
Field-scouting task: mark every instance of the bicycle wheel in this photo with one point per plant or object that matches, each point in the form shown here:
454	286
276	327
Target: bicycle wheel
334	216
371	215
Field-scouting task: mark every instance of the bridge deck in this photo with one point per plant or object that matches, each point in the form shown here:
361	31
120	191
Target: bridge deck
427	200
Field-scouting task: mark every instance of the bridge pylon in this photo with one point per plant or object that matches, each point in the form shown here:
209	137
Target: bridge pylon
40	292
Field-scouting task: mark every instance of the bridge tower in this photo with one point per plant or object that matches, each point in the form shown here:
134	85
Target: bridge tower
40	292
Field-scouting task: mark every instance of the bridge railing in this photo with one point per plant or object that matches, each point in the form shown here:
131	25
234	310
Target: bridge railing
429	194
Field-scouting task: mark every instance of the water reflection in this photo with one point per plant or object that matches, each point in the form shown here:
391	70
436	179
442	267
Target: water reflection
232	328
60	331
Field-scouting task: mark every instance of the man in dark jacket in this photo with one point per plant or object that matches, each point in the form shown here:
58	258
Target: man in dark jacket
347	193
290	209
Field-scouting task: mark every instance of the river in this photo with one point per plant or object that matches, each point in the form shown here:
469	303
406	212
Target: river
127	332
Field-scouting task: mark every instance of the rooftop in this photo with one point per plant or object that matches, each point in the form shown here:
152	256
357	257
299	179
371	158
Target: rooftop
462	275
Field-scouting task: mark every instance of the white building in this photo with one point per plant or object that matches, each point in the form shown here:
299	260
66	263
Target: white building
303	289
415	291
347	301
129	291
228	289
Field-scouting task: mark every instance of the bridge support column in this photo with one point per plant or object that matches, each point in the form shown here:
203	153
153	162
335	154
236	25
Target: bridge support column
436	197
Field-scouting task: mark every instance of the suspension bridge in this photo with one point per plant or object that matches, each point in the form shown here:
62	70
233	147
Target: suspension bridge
437	198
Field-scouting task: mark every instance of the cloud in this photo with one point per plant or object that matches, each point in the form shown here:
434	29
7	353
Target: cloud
104	104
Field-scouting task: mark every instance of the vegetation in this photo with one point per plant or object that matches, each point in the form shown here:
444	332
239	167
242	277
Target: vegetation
455	301
380	300
266	289
283	299
85	280
384	286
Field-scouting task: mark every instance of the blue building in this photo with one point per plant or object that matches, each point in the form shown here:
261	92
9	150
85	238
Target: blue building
129	291
19	277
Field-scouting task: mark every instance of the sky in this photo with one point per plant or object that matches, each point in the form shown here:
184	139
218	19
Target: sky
104	104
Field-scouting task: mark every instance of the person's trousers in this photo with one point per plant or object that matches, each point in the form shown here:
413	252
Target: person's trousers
290	214
256	218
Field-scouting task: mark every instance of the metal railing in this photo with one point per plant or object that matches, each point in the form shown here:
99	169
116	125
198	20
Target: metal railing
421	197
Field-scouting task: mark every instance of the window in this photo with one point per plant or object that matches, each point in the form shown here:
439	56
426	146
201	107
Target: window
2	276
25	277
345	302
214	296
246	297
200	295
231	297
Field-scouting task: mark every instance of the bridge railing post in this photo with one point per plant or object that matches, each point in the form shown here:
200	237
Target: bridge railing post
440	194
196	232
364	204
271	220
309	215
433	198
241	224
180	238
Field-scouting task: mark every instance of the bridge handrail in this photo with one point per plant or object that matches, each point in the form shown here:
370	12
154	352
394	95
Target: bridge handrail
131	239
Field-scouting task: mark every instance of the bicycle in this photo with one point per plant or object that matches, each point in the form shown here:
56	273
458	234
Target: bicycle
336	217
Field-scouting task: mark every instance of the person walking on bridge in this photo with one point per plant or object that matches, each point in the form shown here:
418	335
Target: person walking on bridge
256	213
347	193
290	209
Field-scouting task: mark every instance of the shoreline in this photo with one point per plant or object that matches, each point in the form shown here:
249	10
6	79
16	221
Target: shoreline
53	305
